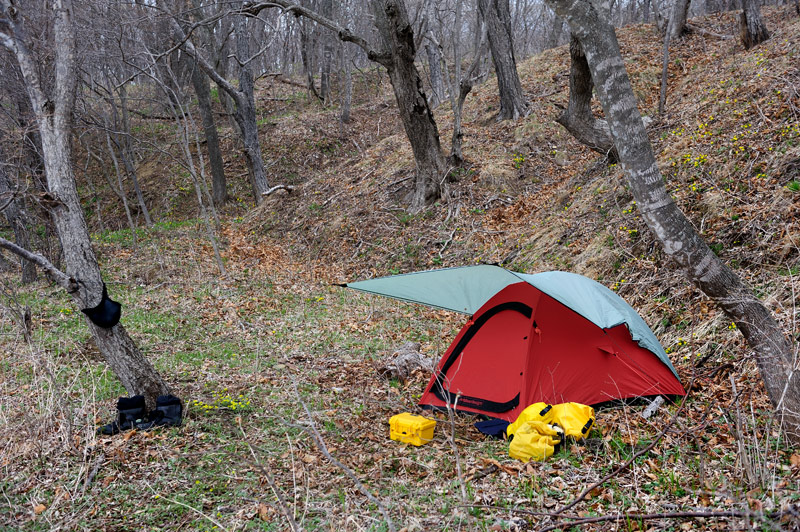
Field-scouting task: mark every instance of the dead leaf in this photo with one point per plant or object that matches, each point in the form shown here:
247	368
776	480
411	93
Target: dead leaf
39	508
795	460
263	511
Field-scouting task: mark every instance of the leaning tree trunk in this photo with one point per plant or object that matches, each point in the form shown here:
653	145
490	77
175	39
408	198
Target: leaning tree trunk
219	186
13	210
752	28
578	118
678	237
497	17
398	57
53	116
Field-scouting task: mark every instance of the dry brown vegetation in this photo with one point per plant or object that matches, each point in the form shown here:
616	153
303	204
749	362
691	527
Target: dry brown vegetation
531	197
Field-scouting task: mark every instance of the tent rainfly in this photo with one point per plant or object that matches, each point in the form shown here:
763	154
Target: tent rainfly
550	337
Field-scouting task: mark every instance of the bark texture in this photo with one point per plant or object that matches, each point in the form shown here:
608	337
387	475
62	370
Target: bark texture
497	17
676	27
773	351
398	57
219	186
578	118
752	28
53	113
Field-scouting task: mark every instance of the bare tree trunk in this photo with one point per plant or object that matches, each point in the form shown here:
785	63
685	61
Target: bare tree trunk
461	86
127	156
246	112
326	9
122	194
497	17
774	354
53	115
578	118
752	28
219	186
347	92
434	57
14	211
662	97
398	57
677	19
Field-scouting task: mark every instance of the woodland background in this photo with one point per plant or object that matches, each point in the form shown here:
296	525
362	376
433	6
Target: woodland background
227	290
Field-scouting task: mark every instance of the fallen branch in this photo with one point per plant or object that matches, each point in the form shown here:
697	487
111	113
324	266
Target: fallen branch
312	429
278	496
626	517
627	464
287	188
98	462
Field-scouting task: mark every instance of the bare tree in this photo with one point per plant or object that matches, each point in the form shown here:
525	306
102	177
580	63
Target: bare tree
577	118
200	83
53	106
676	26
776	359
497	17
245	109
752	29
397	53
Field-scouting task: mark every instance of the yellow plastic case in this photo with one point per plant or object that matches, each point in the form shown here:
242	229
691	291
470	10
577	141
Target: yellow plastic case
411	428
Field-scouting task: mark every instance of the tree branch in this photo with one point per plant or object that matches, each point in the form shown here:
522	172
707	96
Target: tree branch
61	279
345	35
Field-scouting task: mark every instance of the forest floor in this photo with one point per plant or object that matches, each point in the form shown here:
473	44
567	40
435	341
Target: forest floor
254	351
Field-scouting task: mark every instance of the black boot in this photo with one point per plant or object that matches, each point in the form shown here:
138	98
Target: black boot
168	412
130	411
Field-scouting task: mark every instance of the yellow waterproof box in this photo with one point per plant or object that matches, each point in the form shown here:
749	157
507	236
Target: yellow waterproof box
411	428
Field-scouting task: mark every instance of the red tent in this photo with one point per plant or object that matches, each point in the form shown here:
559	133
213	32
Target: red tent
553	337
523	347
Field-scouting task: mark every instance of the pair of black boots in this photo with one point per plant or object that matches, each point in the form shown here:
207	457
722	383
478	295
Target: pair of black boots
132	414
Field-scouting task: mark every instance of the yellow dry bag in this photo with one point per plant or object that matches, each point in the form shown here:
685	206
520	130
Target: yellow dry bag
576	419
534	440
535	412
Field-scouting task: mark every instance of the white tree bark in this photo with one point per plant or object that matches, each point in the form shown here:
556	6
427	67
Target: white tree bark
53	112
774	353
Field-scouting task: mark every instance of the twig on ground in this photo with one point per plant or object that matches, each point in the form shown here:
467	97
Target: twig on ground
98	462
628	463
190	507
312	429
278	496
627	517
